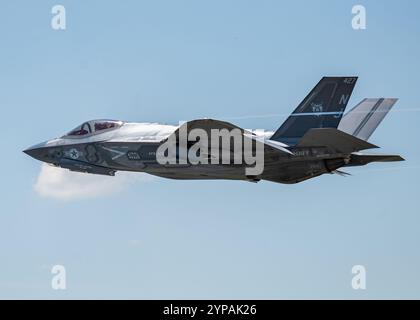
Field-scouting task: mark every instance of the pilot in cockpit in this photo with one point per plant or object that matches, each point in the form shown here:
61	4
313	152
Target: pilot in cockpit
93	127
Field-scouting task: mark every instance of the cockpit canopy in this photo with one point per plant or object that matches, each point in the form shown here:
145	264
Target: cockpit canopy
94	127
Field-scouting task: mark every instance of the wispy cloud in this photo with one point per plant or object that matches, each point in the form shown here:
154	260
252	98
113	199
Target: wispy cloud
63	184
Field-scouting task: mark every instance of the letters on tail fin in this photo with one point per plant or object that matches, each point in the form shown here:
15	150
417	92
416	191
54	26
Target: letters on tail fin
322	108
364	118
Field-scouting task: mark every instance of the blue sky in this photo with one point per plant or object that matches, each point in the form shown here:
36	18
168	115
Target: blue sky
165	61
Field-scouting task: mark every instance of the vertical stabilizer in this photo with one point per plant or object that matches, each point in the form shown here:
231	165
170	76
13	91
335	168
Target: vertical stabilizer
322	108
363	119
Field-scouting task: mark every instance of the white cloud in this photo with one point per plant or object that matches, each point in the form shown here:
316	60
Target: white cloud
63	184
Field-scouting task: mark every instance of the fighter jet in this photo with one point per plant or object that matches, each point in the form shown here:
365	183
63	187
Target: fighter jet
316	139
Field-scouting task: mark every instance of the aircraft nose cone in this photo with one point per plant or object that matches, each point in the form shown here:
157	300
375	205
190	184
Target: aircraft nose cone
28	151
38	152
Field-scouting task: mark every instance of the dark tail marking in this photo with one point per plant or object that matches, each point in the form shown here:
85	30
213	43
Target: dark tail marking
322	108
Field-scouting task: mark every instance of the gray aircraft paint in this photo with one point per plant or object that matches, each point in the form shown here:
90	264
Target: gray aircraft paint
313	141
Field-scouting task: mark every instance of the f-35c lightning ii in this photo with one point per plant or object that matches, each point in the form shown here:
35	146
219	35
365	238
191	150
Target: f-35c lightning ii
317	138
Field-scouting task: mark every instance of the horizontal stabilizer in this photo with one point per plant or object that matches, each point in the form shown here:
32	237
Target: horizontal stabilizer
359	159
363	119
334	139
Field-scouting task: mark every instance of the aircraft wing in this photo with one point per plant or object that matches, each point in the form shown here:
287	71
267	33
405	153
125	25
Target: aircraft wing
209	124
335	139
